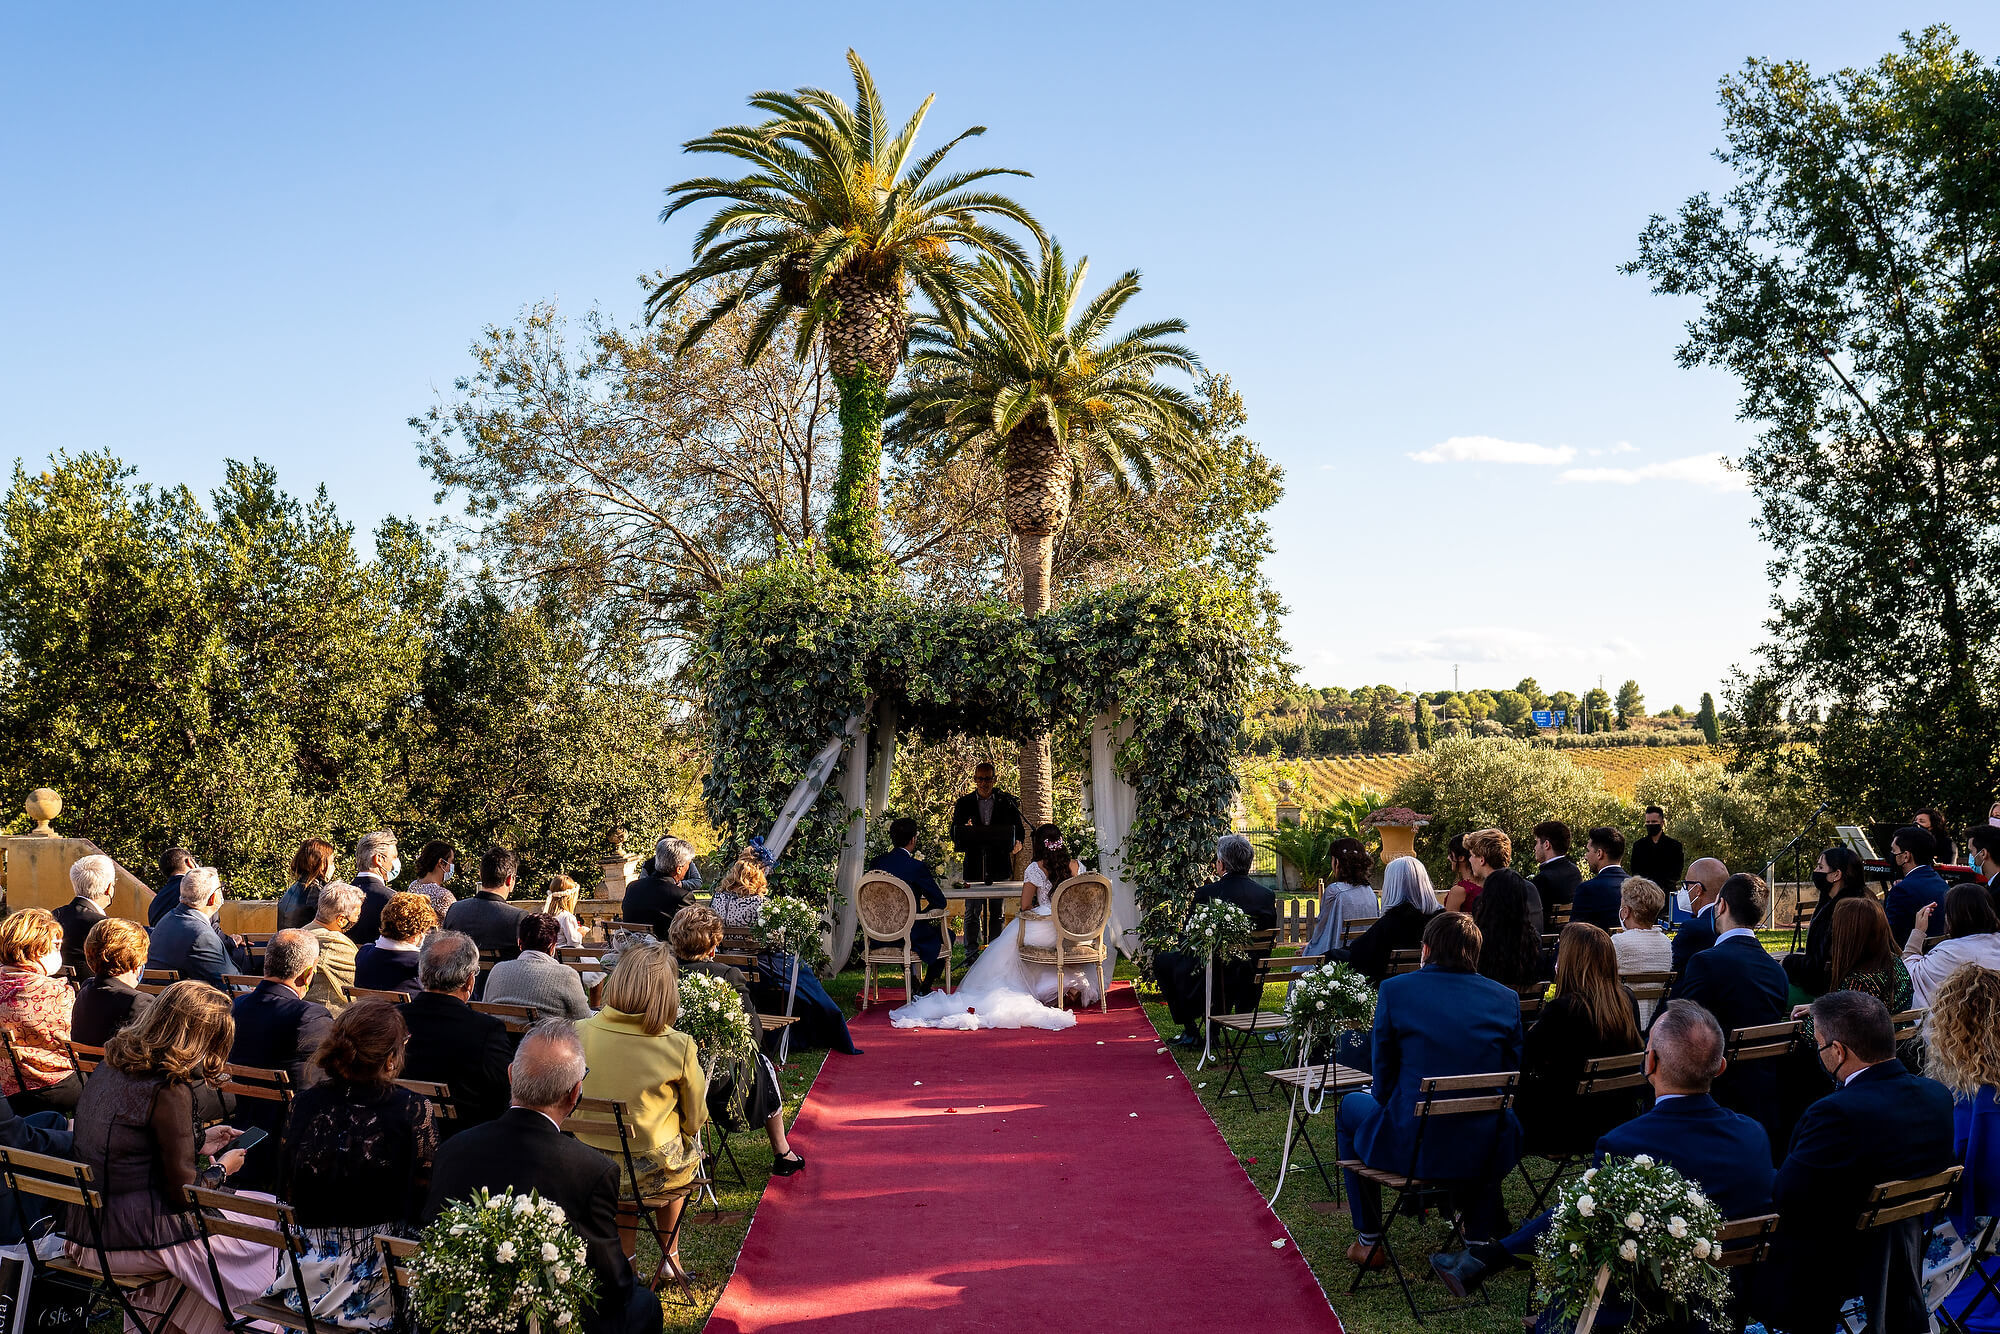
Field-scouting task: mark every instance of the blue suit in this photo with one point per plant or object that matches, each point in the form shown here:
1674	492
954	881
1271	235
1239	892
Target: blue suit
1907	897
1427	1024
1598	898
1743	987
1694	937
187	942
925	937
1886	1124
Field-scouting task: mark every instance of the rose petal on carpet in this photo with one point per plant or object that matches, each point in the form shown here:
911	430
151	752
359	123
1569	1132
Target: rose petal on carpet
1015	1180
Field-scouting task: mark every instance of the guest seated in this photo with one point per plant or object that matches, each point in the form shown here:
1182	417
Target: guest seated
1862	957
492	922
450	1042
186	940
1464	891
1704	885
634	1056
695	936
174	863
1443	1019
663	889
375	865
739	901
560	903
38	1132
1349	898
1839	876
1408	904
524	1151
1591	1015
277	1028
436	863
136	1129
1556	878
1643	947
1723	1152
35	1008
1880	1123
339	909
1743	987
534	978
1598	898
1183	974
114	957
1970	924
357	1161
389	962
1965	1015
1509	915
1913	853
901	861
312	871
94	882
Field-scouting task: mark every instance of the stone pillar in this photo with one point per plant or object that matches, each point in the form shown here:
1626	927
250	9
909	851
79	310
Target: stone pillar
1288	814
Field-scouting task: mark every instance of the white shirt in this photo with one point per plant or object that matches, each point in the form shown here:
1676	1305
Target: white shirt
386	945
1736	931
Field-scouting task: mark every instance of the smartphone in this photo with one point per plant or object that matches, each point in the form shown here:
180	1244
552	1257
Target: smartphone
249	1139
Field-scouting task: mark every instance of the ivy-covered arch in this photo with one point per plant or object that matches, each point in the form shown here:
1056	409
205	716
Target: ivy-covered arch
797	648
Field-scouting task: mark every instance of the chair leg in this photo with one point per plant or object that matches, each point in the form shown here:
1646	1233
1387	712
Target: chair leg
1103	993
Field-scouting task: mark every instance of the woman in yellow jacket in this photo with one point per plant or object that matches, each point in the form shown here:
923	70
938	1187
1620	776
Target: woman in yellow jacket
634	1055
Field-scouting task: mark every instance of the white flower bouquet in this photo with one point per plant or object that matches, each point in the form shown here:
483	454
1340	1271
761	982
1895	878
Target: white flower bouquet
494	1263
712	1015
1217	930
1654	1232
794	927
1324	1003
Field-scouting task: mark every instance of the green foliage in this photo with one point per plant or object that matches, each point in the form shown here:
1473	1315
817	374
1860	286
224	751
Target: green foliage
1464	783
1308	845
1847	280
1710	725
1741	819
1631	703
852	540
1426	728
797	646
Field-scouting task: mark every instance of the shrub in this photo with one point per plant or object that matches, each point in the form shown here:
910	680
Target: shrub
1739	819
1465	783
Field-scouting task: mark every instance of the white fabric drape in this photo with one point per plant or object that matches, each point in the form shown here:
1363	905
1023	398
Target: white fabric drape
853	850
1114	802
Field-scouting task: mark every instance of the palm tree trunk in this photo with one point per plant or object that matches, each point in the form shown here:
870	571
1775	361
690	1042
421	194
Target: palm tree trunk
864	339
1037	505
1037	764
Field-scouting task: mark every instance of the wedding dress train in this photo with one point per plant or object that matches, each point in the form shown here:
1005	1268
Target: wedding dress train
999	990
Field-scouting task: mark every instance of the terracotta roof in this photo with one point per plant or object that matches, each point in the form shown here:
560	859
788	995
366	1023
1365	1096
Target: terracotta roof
1397	815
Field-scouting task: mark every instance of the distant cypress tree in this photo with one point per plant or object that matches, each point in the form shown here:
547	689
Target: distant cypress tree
1710	726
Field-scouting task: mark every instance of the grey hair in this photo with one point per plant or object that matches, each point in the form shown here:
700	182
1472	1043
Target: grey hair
672	854
92	877
290	953
198	883
547	1064
1688	1041
448	961
339	900
1235	853
365	848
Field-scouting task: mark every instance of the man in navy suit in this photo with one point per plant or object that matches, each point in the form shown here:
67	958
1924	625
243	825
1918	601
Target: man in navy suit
1597	898
1880	1123
1558	877
1913	852
1182	973
1443	1019
901	861
1723	1152
1742	986
174	863
1705	880
186	940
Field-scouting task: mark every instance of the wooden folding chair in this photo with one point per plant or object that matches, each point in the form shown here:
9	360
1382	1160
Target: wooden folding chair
84	1058
1354	928
1893	1202
609	1118
270	1223
1240	1030
155	980
66	1182
387	997
1601	1075
1909	1025
1985	1248
1648	987
443	1108
396	1253
1763	1042
1447	1096
518	1018
236	984
1405	961
1303	1081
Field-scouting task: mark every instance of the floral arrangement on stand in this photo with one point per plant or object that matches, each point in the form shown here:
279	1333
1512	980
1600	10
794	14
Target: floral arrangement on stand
1651	1234
1217	930
793	926
712	1016
492	1264
1326	1002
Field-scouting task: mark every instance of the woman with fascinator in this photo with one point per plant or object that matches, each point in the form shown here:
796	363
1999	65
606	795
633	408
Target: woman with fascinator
1000	991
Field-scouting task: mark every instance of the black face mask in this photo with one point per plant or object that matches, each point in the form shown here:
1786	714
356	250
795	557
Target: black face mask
1653	829
1822	881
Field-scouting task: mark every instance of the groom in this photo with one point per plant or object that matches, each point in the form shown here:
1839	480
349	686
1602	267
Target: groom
901	861
986	828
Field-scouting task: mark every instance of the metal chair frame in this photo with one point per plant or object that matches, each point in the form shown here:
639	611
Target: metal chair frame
68	1182
1240	1030
279	1231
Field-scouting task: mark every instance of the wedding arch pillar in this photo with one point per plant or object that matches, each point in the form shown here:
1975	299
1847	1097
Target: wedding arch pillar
1114	802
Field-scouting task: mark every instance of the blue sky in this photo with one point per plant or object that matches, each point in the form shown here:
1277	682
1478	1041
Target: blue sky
238	230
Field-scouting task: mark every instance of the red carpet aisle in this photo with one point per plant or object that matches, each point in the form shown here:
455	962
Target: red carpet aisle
1015	1189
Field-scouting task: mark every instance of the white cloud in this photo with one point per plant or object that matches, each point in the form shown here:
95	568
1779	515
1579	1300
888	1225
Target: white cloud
1622	447
1487	449
1508	643
1705	470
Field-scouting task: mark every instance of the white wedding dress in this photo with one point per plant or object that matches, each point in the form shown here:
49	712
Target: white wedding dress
999	990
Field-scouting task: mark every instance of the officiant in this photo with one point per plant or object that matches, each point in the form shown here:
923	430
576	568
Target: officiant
986	829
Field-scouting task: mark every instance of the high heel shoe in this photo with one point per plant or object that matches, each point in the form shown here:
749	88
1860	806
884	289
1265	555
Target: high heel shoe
670	1271
787	1165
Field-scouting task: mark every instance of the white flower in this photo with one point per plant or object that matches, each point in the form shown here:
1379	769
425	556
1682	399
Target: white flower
1588	1173
505	1253
562	1273
496	1201
1585	1206
1322	1005
524	1205
1644	1160
1628	1250
1575	1249
562	1318
1635	1220
553	1210
1702	1248
458	1229
1677	1227
549	1251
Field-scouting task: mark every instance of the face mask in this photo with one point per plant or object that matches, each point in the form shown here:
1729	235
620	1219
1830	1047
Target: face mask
1822	881
449	871
1994	820
51	963
1684	901
395	869
1653	829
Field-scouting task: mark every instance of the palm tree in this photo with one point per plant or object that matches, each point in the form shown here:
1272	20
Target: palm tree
1032	377
833	224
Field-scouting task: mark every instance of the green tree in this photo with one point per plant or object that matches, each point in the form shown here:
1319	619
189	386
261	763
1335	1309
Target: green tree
1597	705
1711	727
1033	377
1511	706
1531	691
835	222
1426	727
1849	280
1467	782
1631	703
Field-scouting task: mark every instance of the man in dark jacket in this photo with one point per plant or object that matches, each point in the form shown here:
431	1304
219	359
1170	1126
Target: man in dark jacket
450	1042
1913	852
1558	877
986	829
186	940
1655	856
93	880
1597	898
277	1028
664	890
1704	884
493	923
1743	987
525	1150
901	861
1182	973
1880	1123
375	865
174	863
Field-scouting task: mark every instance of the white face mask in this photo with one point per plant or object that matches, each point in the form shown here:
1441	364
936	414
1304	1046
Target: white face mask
52	962
395	869
1684	901
450	870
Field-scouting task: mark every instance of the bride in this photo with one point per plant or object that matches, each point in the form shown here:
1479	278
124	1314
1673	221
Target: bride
1000	991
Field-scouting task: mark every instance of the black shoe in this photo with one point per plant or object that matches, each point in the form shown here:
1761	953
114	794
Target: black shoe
1186	1038
1461	1272
787	1165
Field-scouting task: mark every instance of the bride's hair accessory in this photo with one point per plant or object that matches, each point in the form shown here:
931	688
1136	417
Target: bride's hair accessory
1054	845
